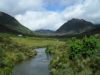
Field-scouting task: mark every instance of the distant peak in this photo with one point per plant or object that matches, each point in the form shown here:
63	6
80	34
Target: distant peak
75	19
2	12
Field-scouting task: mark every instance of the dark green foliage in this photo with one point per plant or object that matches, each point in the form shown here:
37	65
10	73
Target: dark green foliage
83	48
89	46
75	49
49	49
1	57
1	52
82	54
76	57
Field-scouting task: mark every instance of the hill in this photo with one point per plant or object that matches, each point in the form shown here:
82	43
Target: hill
94	30
44	32
10	25
78	27
75	26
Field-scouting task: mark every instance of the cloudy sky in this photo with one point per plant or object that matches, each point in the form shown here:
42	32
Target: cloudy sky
51	14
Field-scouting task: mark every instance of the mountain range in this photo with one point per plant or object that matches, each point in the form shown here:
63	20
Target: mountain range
44	32
73	27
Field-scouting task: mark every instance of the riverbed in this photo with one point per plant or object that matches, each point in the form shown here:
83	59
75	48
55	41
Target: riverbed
38	65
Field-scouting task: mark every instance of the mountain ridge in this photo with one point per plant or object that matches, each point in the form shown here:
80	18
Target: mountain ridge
70	28
11	25
75	26
78	27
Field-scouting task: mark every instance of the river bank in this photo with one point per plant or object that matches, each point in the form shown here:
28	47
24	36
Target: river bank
39	65
14	49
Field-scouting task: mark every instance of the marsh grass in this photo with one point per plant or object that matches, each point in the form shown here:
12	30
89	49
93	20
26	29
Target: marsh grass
36	41
15	49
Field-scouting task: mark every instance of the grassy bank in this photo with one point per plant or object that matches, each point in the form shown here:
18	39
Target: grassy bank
72	56
14	49
76	57
12	53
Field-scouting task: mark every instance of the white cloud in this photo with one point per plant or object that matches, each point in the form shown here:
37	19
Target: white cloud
88	10
41	20
34	15
73	12
14	7
63	2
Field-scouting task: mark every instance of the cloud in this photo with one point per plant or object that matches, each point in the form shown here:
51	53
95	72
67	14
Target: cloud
92	10
87	10
14	7
41	20
59	5
51	14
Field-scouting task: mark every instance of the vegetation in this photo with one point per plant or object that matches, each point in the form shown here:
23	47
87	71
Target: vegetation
12	53
14	49
37	42
77	57
69	57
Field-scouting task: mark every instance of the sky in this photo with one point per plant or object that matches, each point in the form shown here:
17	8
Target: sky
51	14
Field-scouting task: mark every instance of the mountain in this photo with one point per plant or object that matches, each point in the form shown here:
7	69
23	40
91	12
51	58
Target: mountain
44	32
94	30
78	27
10	25
75	26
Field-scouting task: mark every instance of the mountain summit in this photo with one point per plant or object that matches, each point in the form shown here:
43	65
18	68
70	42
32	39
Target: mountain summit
75	26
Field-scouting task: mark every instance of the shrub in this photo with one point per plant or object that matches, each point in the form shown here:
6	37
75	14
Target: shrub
84	48
81	53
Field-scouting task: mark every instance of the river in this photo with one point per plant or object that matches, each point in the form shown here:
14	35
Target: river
36	66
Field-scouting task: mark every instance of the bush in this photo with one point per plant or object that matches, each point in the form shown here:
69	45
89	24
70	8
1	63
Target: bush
12	53
81	53
76	57
84	48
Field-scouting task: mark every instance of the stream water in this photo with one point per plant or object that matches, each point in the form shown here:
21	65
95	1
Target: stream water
36	66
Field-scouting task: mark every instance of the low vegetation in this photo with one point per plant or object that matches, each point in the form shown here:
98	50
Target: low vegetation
14	49
37	42
12	53
76	57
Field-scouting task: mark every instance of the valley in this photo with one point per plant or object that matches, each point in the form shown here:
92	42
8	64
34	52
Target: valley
74	48
15	49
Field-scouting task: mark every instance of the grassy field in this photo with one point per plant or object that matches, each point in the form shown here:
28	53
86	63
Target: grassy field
70	56
14	49
37	42
12	53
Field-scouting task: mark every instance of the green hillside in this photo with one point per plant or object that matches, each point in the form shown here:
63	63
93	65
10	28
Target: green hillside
11	25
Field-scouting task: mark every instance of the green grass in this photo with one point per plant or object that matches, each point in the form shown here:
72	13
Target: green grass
76	57
14	49
37	42
12	53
